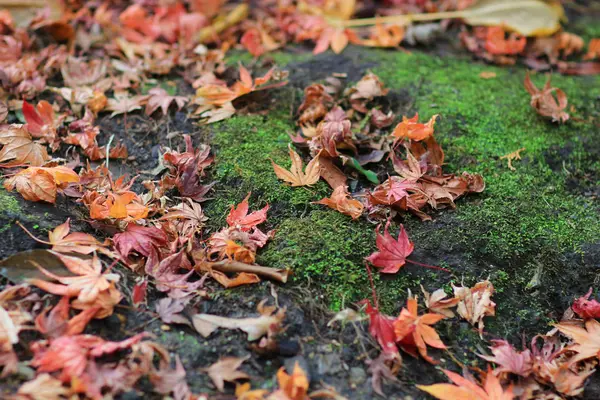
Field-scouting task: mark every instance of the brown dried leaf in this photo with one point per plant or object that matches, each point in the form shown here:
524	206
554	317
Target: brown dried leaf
226	370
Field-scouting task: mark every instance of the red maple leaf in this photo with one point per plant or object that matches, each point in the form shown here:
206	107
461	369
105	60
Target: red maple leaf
392	253
586	308
56	323
381	328
145	240
239	217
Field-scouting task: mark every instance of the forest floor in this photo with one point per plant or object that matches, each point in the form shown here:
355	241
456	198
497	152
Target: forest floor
534	232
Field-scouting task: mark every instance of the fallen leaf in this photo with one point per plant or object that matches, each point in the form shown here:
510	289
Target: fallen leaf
19	148
412	129
169	310
341	201
586	308
239	218
510	157
487	75
587	340
226	370
475	303
466	389
381	328
544	101
292	387
159	98
255	327
122	103
392	253
413	330
437	302
510	360
295	175
44	387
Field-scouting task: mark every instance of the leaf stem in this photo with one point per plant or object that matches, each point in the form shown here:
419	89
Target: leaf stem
428	266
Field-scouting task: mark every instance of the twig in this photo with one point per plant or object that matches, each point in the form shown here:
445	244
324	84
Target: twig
428	266
275	274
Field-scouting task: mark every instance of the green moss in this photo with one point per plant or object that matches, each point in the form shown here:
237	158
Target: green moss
524	222
8	204
484	119
245	147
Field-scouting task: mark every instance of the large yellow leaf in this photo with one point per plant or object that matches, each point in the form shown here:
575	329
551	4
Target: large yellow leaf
527	17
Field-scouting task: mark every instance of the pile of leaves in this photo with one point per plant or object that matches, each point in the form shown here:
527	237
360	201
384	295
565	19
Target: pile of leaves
346	131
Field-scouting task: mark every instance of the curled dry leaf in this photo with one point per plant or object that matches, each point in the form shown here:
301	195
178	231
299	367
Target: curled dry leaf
438	303
255	327
295	175
410	128
341	201
41	183
586	308
292	387
475	303
544	101
226	370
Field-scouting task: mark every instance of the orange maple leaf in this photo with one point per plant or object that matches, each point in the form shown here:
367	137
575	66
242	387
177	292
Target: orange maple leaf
410	128
465	389
86	285
340	200
414	330
41	183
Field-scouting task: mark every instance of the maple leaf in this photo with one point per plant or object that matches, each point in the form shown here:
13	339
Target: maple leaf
19	148
88	283
510	360
167	278
41	183
413	330
341	201
587	340
392	253
295	176
379	369
126	206
381	328
188	216
167	380
40	120
336	38
438	303
169	310
239	218
544	101
294	386
122	103
226	370
586	308
476	303
77	242
57	323
412	129
44	387
466	389
145	240
72	354
160	98
369	87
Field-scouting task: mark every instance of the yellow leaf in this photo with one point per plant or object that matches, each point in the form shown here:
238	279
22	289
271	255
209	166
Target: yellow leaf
295	176
527	17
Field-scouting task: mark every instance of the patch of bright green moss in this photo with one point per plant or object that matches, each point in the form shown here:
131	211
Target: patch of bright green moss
245	147
484	119
8	204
